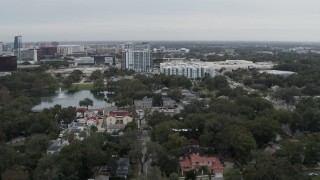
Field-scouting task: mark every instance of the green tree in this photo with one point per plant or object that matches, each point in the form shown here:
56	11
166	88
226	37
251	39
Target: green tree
162	131
175	94
154	173
95	75
86	102
239	140
287	94
264	130
190	175
175	143
174	176
232	174
270	168
98	85
37	144
157	117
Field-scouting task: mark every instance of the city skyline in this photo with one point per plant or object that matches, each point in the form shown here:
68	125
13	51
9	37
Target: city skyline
125	20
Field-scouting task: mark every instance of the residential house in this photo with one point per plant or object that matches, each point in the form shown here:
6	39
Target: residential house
144	103
195	162
168	102
187	96
164	91
123	168
118	117
56	146
117	120
76	129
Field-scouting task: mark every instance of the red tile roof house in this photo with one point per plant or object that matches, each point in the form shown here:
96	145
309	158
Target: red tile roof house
117	120
195	162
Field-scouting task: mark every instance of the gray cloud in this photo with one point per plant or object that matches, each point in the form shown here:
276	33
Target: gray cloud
45	20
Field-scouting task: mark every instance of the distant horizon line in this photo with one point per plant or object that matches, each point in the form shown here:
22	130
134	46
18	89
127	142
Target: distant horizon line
234	41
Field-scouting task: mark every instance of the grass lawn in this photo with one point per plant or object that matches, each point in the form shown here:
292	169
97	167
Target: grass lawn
87	86
316	178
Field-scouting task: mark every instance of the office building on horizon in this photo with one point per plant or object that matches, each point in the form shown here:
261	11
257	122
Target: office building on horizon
69	49
18	42
1	48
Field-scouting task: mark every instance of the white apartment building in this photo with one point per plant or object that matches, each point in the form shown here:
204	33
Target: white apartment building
26	54
191	70
137	57
162	49
137	60
198	69
69	49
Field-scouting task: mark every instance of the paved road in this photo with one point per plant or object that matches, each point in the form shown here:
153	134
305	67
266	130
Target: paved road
145	140
233	84
17	140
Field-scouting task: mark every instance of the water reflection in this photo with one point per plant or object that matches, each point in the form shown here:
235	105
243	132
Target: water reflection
72	98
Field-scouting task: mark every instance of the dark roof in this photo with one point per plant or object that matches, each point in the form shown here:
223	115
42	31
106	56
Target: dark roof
123	167
123	162
187	151
54	148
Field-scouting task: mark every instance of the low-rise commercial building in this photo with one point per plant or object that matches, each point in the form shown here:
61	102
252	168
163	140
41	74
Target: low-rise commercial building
163	49
84	61
198	69
168	102
69	49
48	51
105	60
143	103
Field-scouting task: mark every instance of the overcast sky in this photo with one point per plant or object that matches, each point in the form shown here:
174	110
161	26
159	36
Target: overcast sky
103	20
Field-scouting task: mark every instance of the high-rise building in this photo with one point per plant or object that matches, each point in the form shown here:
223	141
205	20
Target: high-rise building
1	47
137	60
8	63
136	46
137	57
17	42
26	54
48	51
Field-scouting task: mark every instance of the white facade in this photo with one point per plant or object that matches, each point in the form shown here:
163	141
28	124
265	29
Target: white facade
26	54
171	51
189	69
137	60
199	69
118	120
69	49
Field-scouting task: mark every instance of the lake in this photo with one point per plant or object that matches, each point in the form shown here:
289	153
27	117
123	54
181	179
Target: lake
66	98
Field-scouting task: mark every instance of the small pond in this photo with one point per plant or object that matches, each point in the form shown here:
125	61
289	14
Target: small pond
67	98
